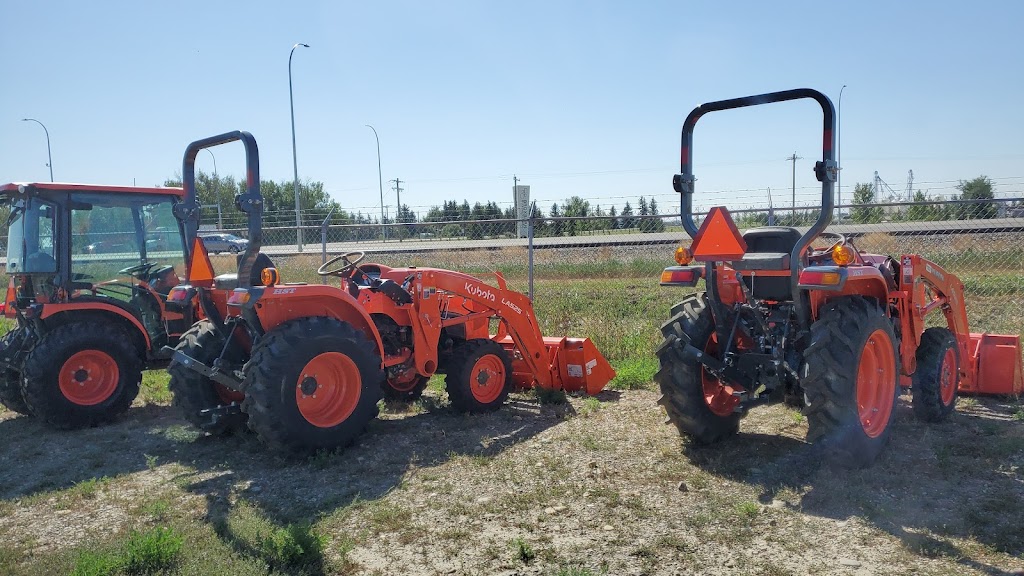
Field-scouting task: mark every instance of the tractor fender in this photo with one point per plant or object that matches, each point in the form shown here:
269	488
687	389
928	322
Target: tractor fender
279	304
866	281
56	314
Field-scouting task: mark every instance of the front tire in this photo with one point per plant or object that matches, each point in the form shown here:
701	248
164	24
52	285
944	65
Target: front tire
192	392
698	404
81	374
937	377
479	376
312	383
851	380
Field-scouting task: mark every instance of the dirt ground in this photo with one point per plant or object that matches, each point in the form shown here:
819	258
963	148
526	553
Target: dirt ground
585	487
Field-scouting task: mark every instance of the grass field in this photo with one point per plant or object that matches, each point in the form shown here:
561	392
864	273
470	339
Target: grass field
591	485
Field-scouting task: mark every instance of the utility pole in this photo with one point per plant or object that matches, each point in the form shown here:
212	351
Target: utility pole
398	195
793	159
515	197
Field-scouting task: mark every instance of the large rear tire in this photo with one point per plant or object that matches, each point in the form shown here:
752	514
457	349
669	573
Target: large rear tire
192	392
697	403
312	383
479	376
81	374
938	375
10	380
851	380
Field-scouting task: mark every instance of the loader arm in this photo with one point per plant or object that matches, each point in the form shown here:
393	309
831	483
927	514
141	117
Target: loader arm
930	287
514	309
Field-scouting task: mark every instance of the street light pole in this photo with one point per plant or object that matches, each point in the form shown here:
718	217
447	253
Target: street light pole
295	160
839	152
49	157
380	184
216	181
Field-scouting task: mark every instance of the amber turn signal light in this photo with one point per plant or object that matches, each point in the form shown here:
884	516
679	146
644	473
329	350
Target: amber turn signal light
843	255
270	276
683	255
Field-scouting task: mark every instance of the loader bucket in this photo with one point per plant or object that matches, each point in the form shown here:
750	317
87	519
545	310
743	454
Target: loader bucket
575	363
996	362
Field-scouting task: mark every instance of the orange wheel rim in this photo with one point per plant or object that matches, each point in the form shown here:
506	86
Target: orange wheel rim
487	379
328	389
227	395
718	397
89	377
948	377
876	383
406	382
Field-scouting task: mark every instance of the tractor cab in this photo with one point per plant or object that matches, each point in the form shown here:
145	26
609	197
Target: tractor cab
90	267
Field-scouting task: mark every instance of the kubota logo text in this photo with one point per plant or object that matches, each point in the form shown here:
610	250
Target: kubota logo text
479	292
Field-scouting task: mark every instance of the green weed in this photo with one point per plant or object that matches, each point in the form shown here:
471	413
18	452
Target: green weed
523	551
141	553
590	406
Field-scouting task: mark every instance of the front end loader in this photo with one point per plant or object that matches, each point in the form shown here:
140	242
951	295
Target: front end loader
805	317
310	362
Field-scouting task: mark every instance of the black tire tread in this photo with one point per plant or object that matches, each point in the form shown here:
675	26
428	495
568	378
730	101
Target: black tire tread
39	384
680	380
456	381
832	359
263	384
191	392
10	382
926	388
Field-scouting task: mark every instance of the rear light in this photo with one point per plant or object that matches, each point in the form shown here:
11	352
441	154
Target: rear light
680	276
239	297
178	294
822	277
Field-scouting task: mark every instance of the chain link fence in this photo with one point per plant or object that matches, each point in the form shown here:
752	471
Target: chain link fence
982	242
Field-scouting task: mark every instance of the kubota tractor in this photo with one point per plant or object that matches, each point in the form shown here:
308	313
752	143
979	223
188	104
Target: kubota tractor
824	326
310	362
81	340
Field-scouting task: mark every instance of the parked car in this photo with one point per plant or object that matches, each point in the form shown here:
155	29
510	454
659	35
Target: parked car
218	243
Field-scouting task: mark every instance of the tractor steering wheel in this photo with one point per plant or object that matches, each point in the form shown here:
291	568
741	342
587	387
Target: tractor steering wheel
841	240
133	270
350	264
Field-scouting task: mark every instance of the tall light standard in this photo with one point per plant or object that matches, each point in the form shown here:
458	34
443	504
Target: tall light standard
839	152
380	184
49	157
295	160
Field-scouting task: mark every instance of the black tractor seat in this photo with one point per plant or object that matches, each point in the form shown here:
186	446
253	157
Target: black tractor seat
769	249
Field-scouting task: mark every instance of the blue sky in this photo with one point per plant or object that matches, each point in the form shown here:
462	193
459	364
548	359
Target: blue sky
576	98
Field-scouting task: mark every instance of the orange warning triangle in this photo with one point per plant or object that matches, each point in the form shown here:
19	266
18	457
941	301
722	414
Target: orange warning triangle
718	238
200	270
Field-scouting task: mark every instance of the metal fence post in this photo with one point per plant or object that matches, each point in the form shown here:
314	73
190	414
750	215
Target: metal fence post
323	240
529	250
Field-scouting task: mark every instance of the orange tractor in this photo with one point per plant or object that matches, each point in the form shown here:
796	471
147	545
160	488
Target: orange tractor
827	327
90	268
305	365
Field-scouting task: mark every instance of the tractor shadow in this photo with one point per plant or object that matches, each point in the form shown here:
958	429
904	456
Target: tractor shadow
39	462
959	479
